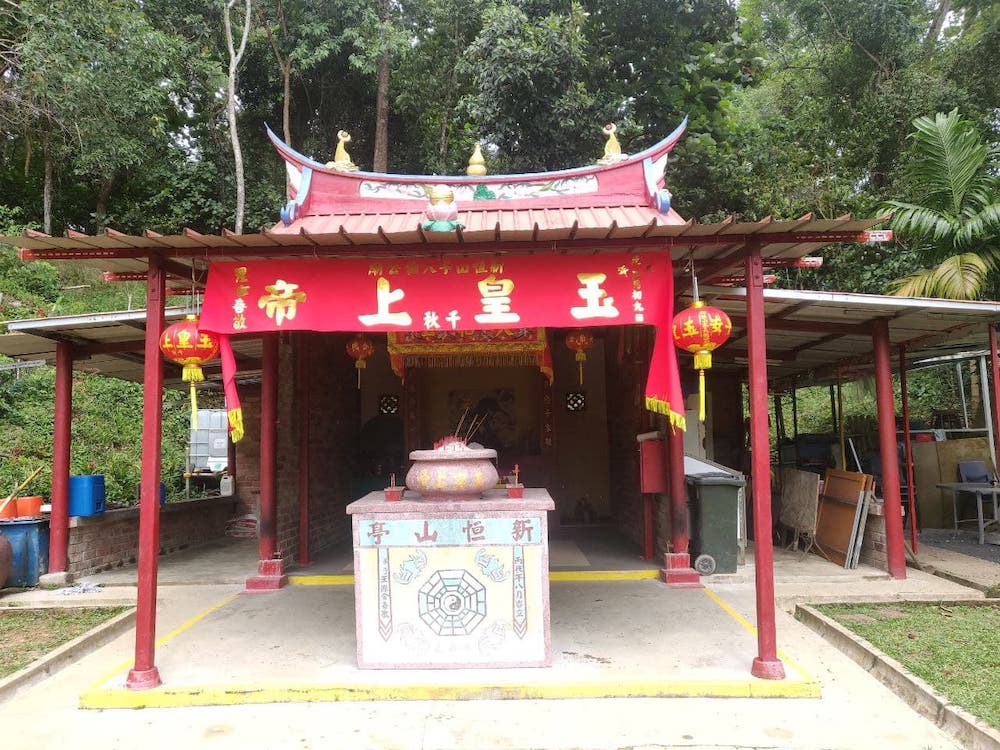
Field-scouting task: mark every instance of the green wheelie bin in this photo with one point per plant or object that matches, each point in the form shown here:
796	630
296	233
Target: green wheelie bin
713	504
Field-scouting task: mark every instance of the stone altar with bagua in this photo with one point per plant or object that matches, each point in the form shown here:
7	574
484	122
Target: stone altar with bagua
455	574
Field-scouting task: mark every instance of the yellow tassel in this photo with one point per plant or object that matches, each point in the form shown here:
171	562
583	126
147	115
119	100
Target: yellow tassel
194	407
701	395
192	374
235	425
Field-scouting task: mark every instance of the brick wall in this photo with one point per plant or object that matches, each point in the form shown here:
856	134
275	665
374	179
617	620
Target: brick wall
873	549
627	365
111	539
334	417
247	475
334	428
333	444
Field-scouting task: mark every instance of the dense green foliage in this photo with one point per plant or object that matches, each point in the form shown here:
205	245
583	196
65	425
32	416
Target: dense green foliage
955	227
107	431
113	113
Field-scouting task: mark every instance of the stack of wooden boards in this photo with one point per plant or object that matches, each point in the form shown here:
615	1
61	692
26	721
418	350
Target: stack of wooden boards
830	515
842	514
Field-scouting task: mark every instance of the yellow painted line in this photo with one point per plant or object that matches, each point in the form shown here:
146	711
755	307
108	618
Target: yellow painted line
743	621
172	634
555	575
224	695
336	580
603	575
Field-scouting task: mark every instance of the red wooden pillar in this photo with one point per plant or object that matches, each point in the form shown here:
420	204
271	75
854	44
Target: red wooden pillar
908	448
677	571
888	451
302	385
270	567
144	674
61	443
766	664
995	368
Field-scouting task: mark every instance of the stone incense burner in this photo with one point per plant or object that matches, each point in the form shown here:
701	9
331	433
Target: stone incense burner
452	471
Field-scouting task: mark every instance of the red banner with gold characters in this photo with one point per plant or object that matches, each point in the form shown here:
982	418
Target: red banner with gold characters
454	294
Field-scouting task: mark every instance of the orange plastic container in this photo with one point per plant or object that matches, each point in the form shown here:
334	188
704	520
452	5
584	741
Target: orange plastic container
29	506
11	510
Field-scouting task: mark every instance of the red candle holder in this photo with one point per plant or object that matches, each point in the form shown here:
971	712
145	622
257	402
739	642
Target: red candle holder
515	491
392	494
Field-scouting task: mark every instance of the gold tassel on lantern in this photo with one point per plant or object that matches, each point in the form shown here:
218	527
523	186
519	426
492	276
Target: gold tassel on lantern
360	365
702	362
193	374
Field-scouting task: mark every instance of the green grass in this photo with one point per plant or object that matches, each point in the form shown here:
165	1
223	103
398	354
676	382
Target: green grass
26	635
954	648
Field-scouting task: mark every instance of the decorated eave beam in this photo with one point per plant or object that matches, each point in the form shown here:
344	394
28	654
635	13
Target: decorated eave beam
716	270
176	271
314	249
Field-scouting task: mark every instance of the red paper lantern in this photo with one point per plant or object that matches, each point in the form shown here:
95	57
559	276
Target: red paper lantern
360	348
580	341
186	345
701	329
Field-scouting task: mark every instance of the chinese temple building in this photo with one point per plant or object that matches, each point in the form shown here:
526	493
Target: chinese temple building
383	312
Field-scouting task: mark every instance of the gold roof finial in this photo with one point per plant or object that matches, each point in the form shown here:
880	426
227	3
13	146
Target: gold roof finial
477	164
342	159
612	149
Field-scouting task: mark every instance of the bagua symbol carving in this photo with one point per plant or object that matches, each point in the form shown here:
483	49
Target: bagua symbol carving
410	568
491	566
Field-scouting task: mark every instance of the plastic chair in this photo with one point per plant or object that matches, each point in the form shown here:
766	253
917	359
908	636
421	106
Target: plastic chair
976	472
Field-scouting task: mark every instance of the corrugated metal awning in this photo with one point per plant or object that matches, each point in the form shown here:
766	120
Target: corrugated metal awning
813	337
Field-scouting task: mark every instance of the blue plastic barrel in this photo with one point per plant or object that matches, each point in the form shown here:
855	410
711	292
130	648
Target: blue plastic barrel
29	541
86	495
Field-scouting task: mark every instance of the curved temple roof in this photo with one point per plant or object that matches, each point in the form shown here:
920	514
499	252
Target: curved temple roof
317	189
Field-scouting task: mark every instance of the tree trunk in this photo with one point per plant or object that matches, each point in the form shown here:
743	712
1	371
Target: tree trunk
101	209
381	161
937	23
47	193
235	55
286	105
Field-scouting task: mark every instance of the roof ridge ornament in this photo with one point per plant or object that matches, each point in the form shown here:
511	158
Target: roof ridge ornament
441	211
612	149
341	159
477	164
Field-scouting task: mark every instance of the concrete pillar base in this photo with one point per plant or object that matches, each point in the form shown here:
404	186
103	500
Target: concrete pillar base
768	669
55	580
678	573
143	679
270	577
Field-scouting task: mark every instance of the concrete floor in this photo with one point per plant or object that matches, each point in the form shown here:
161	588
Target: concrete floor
633	633
602	632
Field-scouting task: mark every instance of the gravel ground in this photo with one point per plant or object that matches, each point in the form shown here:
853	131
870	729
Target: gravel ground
965	541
